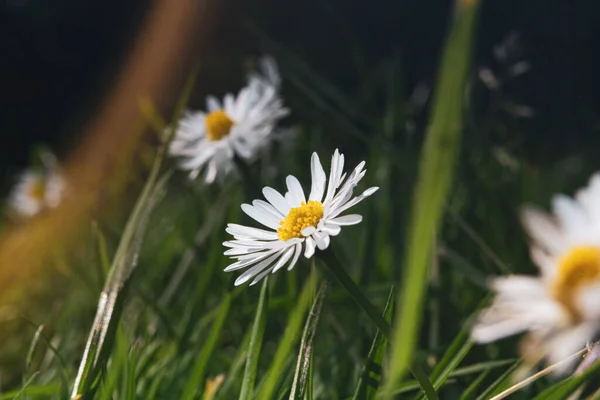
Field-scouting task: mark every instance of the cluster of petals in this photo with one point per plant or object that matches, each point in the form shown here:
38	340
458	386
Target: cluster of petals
252	116
260	251
560	308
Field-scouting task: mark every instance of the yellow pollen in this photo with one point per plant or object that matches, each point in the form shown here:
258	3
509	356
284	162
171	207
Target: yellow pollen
37	190
299	218
579	267
218	125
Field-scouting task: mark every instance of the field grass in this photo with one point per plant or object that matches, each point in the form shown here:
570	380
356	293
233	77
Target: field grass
148	313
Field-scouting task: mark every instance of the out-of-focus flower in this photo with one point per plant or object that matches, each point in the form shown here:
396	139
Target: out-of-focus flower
239	126
35	191
297	224
561	307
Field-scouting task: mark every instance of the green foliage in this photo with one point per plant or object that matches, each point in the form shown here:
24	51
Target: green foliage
171	325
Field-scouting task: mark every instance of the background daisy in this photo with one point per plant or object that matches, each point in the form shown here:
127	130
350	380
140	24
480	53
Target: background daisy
561	307
240	125
35	191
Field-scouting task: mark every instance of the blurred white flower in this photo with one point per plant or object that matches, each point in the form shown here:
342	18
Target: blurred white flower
561	307
297	224
36	191
238	126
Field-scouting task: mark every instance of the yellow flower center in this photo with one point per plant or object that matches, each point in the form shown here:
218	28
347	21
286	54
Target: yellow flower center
300	218
579	267
218	125
37	190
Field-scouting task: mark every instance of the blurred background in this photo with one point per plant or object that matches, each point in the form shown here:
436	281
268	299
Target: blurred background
354	73
59	59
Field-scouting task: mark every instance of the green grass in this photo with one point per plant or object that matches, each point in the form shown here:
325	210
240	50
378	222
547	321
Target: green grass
173	326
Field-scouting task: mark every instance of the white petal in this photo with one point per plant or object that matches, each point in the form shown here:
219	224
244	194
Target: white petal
257	258
237	230
284	259
318	179
567	343
571	216
309	230
490	332
543	230
350	219
212	104
277	200
309	247
260	276
295	189
322	240
331	230
245	277
297	252
268	208
262	217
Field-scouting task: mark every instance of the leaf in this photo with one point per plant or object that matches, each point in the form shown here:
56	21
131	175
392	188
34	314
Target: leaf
258	330
371	374
436	167
195	381
301	375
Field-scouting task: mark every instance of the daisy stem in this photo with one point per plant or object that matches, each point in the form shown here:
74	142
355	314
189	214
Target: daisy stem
334	265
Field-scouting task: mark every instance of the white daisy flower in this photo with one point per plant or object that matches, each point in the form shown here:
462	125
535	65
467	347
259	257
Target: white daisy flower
238	126
36	191
297	224
561	307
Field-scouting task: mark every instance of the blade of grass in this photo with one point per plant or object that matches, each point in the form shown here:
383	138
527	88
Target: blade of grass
117	368
556	391
235	370
195	382
470	392
453	356
335	267
41	391
301	375
435	176
369	380
258	330
32	347
288	340
499	383
26	385
111	298
124	262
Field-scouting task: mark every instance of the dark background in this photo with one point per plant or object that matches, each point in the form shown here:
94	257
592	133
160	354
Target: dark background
58	58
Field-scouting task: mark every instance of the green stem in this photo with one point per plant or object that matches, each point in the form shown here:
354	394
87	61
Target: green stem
334	265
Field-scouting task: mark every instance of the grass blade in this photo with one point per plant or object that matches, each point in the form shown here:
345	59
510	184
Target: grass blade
435	176
288	340
453	356
258	330
301	375
371	373
196	378
111	298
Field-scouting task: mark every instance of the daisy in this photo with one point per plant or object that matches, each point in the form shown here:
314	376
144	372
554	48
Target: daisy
561	307
36	191
240	125
297	224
